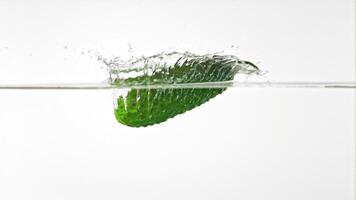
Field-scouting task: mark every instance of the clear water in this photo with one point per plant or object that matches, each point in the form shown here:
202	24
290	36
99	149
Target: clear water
249	143
255	140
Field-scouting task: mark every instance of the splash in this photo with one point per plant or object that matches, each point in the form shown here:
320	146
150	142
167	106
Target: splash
176	68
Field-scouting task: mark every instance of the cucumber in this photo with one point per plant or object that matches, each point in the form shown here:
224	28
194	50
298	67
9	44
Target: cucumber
144	106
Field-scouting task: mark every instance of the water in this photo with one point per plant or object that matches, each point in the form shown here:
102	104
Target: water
206	137
276	141
237	138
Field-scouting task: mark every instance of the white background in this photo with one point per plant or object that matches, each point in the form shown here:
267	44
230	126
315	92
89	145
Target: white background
244	144
293	40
